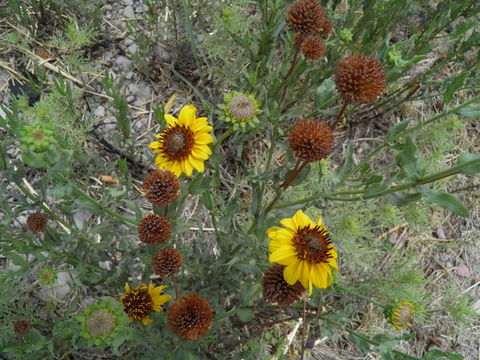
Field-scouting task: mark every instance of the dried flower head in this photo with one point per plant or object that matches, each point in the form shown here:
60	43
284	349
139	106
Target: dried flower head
241	107
166	262
277	290
305	16
324	28
141	301
190	317
311	140
400	315
22	327
36	222
154	229
161	187
313	47
360	78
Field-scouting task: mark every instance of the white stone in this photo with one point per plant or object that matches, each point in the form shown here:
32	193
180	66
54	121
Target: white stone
128	12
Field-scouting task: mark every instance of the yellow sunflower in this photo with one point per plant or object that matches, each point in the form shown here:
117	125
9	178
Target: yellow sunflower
139	302
183	145
304	248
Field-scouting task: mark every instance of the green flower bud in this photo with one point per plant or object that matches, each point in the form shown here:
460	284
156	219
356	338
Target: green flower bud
400	314
47	275
37	138
346	35
394	57
240	109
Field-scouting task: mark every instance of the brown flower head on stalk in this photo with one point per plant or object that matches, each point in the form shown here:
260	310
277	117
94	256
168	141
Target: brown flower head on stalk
190	317
154	229
311	140
22	327
161	187
166	262
324	28
277	290
360	78
305	16
312	47
36	222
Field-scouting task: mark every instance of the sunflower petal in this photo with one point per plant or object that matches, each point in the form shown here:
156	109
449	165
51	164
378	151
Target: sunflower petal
197	164
170	120
291	274
146	320
301	219
187	115
284	255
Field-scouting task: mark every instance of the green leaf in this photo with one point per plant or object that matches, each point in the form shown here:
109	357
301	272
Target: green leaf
400	199
407	159
470	163
453	86
344	170
471	111
360	342
245	315
375	189
396	129
446	201
437	354
325	93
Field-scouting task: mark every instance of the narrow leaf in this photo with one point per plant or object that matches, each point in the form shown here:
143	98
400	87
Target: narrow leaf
446	201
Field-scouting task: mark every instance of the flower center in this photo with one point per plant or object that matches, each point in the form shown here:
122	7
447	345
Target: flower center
313	245
241	107
138	304
177	142
38	135
100	323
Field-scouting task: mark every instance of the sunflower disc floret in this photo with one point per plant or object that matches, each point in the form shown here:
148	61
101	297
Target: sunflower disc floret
305	16
36	222
183	145
305	249
154	229
140	302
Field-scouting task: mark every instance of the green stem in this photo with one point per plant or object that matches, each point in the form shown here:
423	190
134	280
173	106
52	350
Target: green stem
360	296
53	215
222	137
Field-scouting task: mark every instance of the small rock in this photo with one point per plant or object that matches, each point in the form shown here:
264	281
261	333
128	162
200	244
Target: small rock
141	91
160	53
129	75
58	290
124	63
87	301
130	98
128	41
99	111
128	2
463	271
440	233
128	12
105	265
107	7
107	56
133	48
81	215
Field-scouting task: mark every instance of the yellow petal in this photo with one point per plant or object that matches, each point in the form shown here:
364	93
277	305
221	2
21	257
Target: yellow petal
127	288
304	274
284	255
199	124
289	223
319	220
292	272
276	243
318	276
155	145
164	298
146	320
197	164
301	220
187	115
186	167
201	152
203	139
333	252
333	264
171	121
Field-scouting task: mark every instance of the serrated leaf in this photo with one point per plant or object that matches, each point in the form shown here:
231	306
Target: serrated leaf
471	111
446	201
344	170
325	93
396	129
454	85
470	163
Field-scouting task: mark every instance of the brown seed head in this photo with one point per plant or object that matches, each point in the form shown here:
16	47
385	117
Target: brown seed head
360	78
36	222
305	16
154	229
22	327
313	47
161	187
311	140
324	28
166	262
190	317
277	290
